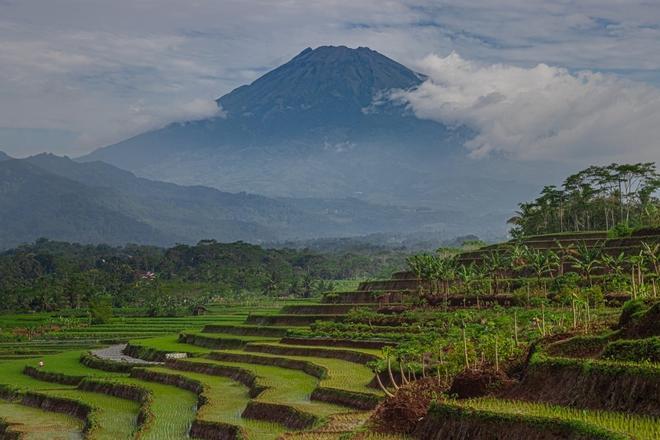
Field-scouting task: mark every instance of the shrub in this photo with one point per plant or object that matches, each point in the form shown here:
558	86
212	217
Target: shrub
593	295
630	309
620	230
100	309
640	350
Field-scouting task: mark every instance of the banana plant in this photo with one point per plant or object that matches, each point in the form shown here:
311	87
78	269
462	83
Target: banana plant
587	260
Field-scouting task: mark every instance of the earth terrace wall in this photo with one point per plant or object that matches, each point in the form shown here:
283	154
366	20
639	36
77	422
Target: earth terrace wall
293	320
445	421
332	342
237	374
346	398
211	342
6	433
288	416
346	355
322	309
591	384
293	364
351	399
125	391
371	295
148	353
71	407
216	431
200	428
47	376
275	332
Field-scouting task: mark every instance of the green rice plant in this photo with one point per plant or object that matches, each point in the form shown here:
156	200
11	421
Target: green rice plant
226	401
340	374
173	410
284	386
38	424
638	427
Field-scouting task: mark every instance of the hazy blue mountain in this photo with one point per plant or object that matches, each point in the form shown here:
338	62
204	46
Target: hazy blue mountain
320	127
4	156
35	203
55	197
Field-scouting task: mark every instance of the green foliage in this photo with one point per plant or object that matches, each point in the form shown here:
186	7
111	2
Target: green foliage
620	230
631	309
618	196
100	309
638	350
49	275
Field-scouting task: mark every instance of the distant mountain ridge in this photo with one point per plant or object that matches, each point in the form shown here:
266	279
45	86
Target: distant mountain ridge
94	202
322	126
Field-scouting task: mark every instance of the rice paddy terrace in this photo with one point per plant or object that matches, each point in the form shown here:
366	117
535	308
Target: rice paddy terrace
305	370
228	374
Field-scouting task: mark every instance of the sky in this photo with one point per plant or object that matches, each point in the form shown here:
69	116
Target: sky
535	78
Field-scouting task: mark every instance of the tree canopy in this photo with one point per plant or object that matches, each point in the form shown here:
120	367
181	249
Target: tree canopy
596	198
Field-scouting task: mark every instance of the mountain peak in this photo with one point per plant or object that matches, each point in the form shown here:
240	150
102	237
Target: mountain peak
328	79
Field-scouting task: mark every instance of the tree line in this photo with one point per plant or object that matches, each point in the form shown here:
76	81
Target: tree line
596	198
50	275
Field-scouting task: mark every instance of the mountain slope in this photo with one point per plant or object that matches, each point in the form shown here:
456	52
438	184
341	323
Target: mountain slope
321	126
35	203
55	197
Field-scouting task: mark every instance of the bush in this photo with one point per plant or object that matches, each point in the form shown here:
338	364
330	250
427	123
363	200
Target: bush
100	309
570	280
640	350
630	309
593	295
621	230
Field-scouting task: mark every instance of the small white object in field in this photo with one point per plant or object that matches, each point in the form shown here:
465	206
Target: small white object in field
176	356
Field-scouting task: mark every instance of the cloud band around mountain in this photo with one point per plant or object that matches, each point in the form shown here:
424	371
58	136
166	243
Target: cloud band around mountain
541	112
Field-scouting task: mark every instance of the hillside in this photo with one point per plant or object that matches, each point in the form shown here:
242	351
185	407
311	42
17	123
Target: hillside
151	212
322	126
35	203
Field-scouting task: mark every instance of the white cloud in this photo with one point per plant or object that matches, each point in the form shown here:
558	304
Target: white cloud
541	112
82	65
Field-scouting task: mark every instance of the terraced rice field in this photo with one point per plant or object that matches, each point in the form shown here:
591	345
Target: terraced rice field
239	379
173	407
37	424
640	427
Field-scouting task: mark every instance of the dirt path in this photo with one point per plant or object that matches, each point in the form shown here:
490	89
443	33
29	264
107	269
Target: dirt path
114	353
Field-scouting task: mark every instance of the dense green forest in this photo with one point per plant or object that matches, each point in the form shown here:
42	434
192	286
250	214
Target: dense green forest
618	196
51	275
